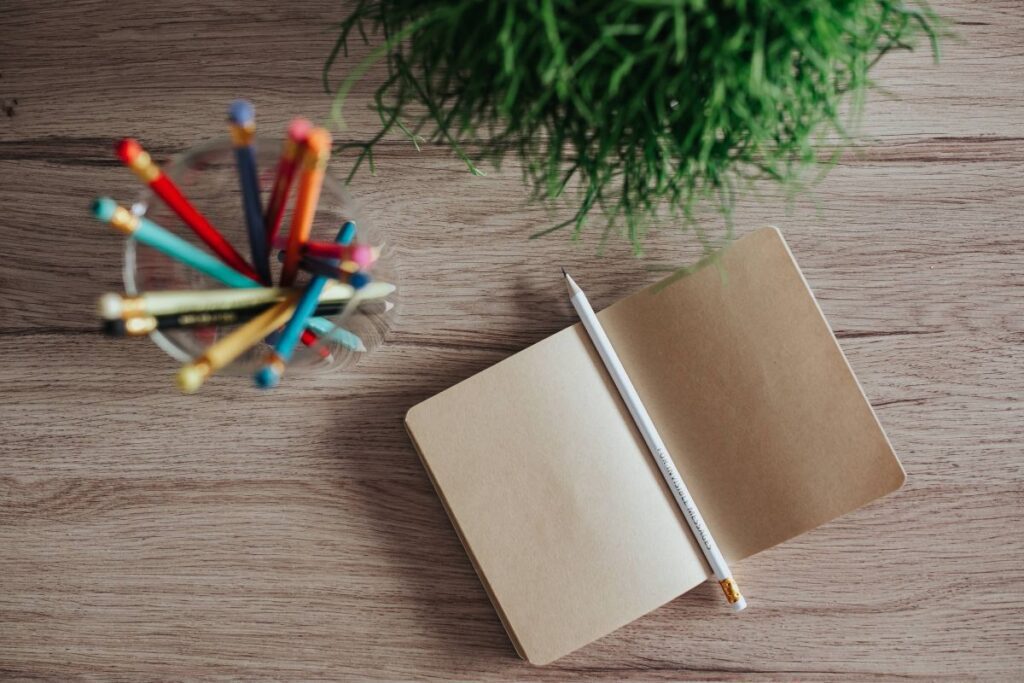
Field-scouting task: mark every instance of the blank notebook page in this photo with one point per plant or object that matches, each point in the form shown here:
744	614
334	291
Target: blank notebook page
555	497
753	397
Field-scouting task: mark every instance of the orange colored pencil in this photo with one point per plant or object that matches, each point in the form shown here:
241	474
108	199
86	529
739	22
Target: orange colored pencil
314	163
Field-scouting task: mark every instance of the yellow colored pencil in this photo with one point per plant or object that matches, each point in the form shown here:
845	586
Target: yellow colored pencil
227	349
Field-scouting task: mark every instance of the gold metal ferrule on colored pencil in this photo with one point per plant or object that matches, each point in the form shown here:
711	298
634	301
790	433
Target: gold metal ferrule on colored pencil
144	167
316	158
242	135
275	362
731	590
291	149
139	325
124	220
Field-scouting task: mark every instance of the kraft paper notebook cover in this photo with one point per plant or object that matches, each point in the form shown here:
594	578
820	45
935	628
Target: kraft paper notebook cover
560	505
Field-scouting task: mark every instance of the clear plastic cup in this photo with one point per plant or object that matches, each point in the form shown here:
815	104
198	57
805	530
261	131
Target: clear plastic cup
207	176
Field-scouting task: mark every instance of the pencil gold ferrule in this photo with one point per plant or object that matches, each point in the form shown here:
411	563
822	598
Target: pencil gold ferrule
143	166
314	162
132	306
124	220
731	590
139	325
275	362
242	135
291	150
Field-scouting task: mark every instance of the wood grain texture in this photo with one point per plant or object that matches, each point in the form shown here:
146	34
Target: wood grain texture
294	535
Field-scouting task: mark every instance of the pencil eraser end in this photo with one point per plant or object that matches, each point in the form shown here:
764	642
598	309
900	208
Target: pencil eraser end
267	377
103	208
190	378
319	142
241	113
364	255
739	605
346	234
359	280
110	306
127	149
298	129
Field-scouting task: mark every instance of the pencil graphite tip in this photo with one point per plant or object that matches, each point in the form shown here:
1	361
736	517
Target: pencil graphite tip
570	284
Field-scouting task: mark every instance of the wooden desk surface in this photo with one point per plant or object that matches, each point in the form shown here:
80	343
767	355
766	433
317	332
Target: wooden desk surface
294	535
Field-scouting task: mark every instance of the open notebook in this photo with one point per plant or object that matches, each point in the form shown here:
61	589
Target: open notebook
560	505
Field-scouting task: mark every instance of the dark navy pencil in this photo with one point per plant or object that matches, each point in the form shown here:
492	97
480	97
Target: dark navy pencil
242	118
136	326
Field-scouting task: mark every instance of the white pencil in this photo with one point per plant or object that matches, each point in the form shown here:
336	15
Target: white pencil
656	445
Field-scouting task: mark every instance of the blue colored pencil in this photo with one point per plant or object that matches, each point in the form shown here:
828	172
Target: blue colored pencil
242	118
269	374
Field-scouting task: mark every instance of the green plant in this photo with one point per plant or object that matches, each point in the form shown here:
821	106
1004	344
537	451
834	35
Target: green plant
640	105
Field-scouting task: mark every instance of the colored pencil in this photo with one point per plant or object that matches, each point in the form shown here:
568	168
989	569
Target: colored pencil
298	131
274	365
136	158
242	119
149	233
137	326
330	268
226	349
115	306
314	163
363	254
360	282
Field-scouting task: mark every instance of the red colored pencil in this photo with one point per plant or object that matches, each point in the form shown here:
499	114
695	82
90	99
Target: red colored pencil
137	159
298	131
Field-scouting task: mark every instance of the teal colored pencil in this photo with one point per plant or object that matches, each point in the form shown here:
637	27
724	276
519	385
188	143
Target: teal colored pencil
269	374
152	235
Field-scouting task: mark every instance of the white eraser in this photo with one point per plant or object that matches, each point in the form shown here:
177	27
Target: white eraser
739	605
110	306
